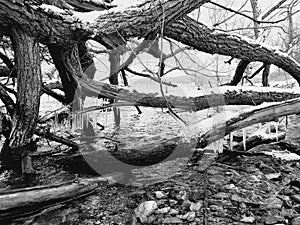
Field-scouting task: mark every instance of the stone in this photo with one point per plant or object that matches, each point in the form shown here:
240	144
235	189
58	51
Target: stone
248	219
163	210
172	220
173	212
229	186
172	202
221	195
196	206
274	219
296	198
273	203
272	176
145	209
295	221
189	216
159	194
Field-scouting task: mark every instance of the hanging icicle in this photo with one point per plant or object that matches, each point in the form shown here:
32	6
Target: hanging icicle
276	129
244	139
55	127
231	141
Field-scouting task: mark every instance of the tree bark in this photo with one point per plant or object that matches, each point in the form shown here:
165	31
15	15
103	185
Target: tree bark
25	117
25	202
192	33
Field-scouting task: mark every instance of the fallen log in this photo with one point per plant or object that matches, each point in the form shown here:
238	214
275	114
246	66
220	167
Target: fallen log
25	202
198	135
213	97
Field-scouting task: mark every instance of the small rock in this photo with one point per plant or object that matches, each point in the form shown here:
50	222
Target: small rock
144	209
195	206
190	216
272	176
254	178
221	195
173	212
274	219
248	219
181	196
172	220
159	194
295	221
163	210
296	198
172	202
229	186
273	203
216	208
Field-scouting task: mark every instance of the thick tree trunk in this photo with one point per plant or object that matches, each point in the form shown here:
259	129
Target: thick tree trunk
25	117
192	33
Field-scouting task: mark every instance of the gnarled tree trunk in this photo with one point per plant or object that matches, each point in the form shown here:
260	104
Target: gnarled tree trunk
25	116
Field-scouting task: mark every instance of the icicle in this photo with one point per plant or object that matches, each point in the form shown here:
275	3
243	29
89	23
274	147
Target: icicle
220	147
94	115
55	121
74	121
244	139
276	130
106	117
231	141
269	129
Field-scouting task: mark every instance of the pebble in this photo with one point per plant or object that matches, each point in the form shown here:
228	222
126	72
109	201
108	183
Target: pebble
249	219
190	216
221	195
271	176
172	220
295	221
229	186
159	194
274	219
296	198
173	212
163	210
195	206
144	209
273	203
172	202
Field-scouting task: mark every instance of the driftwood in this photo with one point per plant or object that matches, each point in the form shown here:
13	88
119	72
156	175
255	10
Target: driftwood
25	202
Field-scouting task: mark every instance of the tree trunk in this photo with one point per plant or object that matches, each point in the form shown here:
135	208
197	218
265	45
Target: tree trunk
25	117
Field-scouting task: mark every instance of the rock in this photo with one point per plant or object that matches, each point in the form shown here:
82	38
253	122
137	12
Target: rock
173	212
216	208
181	196
273	203
163	210
159	194
272	176
274	219
248	219
295	221
190	216
253	178
221	195
229	186
196	206
172	202
172	220
296	198
145	209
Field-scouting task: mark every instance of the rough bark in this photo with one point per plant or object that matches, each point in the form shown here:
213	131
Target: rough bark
237	97
26	112
25	202
66	60
61	28
239	72
197	35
